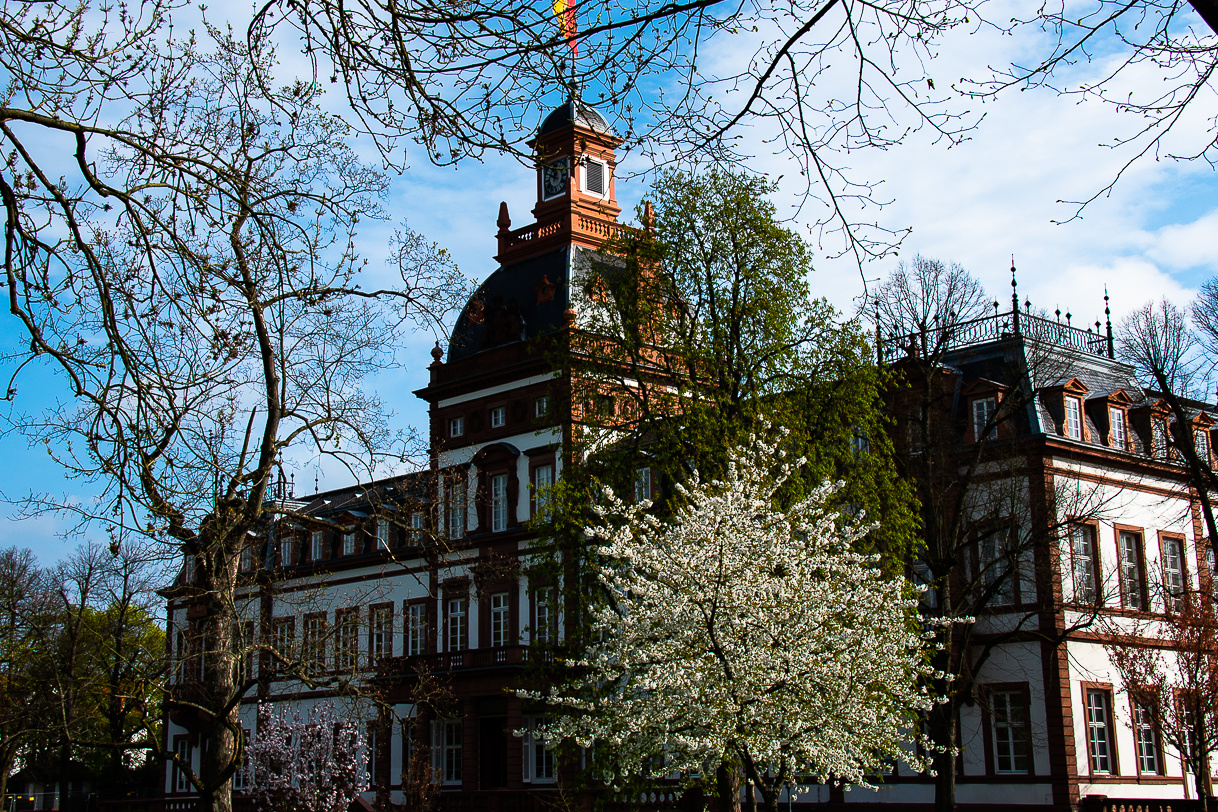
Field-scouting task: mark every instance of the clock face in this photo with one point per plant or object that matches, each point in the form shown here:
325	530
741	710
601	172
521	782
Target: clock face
554	178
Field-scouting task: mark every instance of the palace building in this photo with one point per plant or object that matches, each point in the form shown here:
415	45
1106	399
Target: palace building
437	593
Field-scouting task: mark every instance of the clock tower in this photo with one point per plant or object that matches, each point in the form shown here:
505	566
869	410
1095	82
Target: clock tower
576	201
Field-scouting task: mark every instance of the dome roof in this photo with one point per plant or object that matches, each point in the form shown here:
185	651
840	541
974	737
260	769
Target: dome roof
574	112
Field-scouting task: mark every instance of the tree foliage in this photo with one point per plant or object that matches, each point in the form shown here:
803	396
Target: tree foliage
191	278
699	329
745	630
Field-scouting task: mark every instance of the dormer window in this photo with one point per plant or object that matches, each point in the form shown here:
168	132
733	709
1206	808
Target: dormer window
1118	436
1158	435
983	413
1203	445
349	543
595	177
1074	418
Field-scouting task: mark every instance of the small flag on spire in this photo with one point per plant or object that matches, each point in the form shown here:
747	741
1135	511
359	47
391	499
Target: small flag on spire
564	10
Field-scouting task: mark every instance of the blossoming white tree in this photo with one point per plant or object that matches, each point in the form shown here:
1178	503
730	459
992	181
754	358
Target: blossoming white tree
313	763
745	634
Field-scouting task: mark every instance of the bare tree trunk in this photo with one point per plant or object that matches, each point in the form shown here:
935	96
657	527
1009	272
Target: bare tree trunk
727	785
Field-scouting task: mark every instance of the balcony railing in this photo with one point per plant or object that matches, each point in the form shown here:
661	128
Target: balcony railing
502	656
1101	803
1010	324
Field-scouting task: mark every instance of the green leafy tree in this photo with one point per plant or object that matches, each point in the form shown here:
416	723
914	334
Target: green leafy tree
695	333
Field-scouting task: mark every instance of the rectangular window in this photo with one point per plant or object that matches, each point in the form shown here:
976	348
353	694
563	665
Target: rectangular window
543	481
416	526
1010	732
456	510
595	174
380	633
243	639
373	778
544	618
382	533
242	775
416	629
457	616
346	639
247	558
1099	731
447	749
983	412
349	543
538	757
1074	419
456	426
1082	542
996	569
1173	574
1133	591
499	503
500	618
1120	437
1203	445
313	643
1148	742
1158	436
285	552
181	778
317	550
498	417
188	574
642	484
541	406
285	639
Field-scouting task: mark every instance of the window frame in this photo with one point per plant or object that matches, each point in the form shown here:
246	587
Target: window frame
499	487
416	621
380	625
456	597
1118	416
1108	724
456	426
990	691
1174	603
1138	727
541	406
448	750
531	746
497	417
313	642
1095	568
1072	406
643	485
346	639
317	545
456	508
606	177
1120	531
499	619
990	404
544	589
349	547
184	748
283	636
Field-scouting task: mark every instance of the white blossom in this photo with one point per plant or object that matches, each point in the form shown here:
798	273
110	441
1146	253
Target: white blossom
315	763
741	632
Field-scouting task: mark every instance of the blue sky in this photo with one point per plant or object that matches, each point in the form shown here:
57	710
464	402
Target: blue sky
977	203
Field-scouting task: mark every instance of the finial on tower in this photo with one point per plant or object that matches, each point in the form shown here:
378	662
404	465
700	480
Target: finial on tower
1108	322
1014	298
